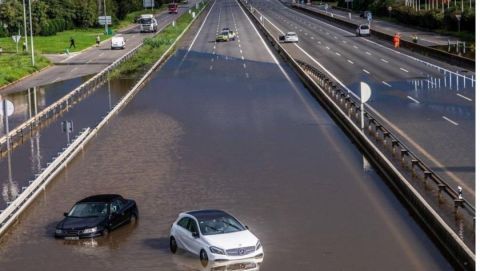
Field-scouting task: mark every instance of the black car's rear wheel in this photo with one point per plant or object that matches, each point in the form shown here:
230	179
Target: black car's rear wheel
173	244
134	218
106	233
203	257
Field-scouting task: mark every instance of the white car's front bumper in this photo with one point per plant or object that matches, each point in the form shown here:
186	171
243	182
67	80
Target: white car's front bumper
220	257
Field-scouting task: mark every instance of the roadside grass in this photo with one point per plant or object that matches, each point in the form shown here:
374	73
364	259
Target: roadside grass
84	37
153	48
16	66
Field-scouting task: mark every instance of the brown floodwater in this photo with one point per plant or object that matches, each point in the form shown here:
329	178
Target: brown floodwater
257	146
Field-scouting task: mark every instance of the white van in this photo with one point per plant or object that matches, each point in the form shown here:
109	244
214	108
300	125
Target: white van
148	23
118	42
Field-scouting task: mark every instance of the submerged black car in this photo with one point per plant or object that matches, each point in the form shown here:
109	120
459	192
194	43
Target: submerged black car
95	216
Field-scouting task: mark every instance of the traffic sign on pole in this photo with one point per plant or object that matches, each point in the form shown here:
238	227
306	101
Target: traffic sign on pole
365	93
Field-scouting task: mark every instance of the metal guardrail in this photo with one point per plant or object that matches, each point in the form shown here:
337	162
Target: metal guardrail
20	132
28	194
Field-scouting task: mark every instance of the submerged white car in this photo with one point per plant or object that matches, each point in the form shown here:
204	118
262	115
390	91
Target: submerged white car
118	42
214	235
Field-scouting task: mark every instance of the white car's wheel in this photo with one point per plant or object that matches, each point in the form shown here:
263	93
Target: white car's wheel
173	245
203	257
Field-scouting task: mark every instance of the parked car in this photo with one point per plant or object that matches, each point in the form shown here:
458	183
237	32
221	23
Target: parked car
148	23
289	37
96	216
118	42
213	235
363	30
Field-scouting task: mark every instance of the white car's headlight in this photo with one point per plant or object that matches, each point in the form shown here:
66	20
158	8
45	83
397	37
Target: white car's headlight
216	250
258	246
58	231
91	230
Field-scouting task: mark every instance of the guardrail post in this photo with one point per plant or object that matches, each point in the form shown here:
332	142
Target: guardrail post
403	152
385	136
426	175
415	162
395	144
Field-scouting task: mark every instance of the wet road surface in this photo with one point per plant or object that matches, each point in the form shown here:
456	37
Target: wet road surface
431	111
223	126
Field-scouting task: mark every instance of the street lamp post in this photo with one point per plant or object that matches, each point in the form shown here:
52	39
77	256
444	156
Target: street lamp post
31	31
25	25
459	18
105	16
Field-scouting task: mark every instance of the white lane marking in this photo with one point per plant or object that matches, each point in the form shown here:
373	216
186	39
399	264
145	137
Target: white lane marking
239	46
386	84
338	54
403	69
344	41
243	58
246	75
414	100
214	47
328	48
466	98
241	52
319	42
335	37
384	60
101	54
368	53
355	46
244	65
312	37
211	67
449	120
57	79
213	59
349	61
200	30
365	71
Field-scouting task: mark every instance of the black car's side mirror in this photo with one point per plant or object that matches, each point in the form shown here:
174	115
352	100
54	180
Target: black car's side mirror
65	214
246	227
195	234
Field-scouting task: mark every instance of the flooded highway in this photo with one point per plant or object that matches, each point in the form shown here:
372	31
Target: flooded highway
225	126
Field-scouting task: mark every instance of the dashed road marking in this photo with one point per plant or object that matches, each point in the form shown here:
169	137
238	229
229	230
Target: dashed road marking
354	46
368	53
246	75
449	120
403	69
414	100
211	67
349	61
338	54
386	84
466	98
384	60
244	65
365	71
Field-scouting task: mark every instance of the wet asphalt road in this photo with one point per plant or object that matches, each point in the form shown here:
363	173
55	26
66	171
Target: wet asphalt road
429	110
225	127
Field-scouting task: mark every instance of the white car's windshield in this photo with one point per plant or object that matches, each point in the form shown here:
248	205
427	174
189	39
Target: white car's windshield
89	209
219	224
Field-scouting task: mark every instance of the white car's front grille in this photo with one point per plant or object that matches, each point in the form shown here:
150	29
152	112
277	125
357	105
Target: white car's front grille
240	251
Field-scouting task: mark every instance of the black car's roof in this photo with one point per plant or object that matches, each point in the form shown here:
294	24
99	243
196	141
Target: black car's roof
206	214
101	198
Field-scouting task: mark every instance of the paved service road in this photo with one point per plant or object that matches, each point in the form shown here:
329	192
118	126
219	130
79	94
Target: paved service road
225	125
430	108
94	59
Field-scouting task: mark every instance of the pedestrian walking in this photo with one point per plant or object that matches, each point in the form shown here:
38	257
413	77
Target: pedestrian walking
98	40
24	46
72	43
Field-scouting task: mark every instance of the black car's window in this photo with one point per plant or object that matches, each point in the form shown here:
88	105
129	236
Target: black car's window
183	222
116	205
89	209
192	225
219	224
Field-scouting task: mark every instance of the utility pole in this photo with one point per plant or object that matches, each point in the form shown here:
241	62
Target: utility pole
25	34
105	15
31	31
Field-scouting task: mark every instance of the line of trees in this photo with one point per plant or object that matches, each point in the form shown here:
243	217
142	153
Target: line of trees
52	16
432	19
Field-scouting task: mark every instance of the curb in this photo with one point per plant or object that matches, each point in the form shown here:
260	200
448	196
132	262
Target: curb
25	77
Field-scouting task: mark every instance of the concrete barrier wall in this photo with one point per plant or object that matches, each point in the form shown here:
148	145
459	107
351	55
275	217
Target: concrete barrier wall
449	242
427	51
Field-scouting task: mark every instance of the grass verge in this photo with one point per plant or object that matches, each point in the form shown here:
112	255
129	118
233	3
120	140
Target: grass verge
153	48
16	66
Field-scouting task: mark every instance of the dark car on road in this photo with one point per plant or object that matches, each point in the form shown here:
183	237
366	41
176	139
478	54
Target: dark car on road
96	216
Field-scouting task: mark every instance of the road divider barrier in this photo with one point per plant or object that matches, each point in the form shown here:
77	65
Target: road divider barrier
378	144
28	194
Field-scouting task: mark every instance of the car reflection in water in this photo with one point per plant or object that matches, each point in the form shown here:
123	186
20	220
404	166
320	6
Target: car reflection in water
186	261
